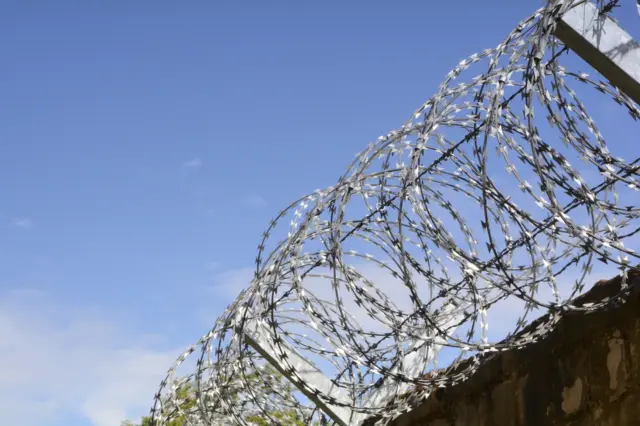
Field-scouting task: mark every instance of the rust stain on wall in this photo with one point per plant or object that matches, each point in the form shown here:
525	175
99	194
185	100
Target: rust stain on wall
571	397
613	359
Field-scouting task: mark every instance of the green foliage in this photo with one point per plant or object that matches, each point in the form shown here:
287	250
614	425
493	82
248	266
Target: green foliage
145	421
289	417
286	418
183	393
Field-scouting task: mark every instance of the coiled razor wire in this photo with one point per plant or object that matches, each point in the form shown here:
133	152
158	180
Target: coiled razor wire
406	256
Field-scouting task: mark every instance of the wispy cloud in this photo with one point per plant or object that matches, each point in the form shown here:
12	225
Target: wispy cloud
62	362
212	265
229	283
225	288
23	222
193	164
254	201
502	316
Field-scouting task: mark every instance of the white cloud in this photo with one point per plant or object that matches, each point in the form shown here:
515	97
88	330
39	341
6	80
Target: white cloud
212	265
502	317
60	361
193	164
254	201
23	222
227	285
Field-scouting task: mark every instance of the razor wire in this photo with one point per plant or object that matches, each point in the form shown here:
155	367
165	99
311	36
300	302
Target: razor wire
409	252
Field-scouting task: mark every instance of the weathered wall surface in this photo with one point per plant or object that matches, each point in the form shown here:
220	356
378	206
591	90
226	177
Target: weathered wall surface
585	373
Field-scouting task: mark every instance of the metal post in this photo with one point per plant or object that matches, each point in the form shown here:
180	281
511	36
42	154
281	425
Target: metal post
259	337
602	43
414	363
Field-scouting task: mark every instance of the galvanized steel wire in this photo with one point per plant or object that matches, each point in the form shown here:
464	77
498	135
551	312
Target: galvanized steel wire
422	207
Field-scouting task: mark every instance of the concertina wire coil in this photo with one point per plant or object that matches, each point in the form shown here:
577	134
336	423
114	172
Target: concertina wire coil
419	240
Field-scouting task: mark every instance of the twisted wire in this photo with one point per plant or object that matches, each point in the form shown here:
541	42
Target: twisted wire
416	244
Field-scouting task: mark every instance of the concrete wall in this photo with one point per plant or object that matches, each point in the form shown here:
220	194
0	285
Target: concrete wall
586	372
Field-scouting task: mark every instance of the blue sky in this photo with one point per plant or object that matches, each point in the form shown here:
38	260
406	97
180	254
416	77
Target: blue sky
145	147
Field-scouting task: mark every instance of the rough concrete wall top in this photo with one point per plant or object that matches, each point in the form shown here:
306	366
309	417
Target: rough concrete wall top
586	372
